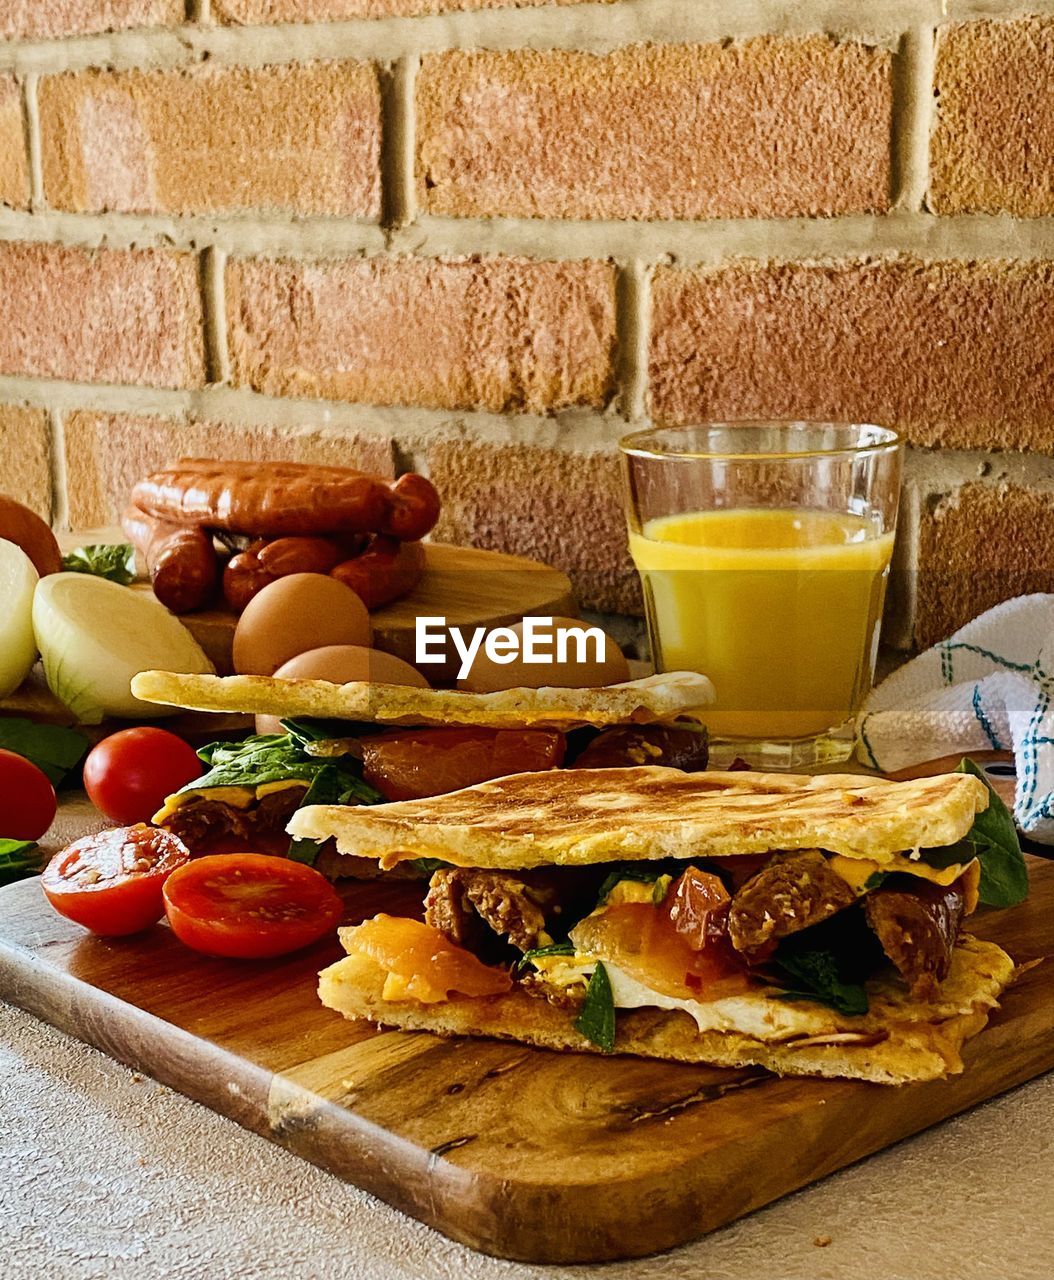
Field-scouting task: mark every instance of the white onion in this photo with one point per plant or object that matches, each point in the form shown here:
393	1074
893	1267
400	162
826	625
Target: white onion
95	635
18	649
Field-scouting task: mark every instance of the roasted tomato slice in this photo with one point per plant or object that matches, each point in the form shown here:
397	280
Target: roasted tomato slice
422	963
250	906
643	941
431	762
111	883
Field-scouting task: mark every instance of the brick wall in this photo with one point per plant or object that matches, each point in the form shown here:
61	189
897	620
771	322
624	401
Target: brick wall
485	237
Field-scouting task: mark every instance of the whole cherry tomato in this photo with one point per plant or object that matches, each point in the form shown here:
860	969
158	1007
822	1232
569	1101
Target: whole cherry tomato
129	774
27	798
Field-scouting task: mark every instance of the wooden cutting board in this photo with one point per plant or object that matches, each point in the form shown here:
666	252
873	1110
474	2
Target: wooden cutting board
469	587
518	1152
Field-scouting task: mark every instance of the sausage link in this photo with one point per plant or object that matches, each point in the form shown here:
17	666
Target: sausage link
386	570
180	559
268	559
415	508
275	499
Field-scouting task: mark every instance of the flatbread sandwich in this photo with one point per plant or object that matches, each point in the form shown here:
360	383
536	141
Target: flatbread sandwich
809	925
366	742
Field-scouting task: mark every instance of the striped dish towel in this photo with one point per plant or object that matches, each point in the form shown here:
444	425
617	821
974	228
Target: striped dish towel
987	687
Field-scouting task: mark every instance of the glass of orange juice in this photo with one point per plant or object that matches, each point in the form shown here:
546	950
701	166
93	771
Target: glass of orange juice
763	550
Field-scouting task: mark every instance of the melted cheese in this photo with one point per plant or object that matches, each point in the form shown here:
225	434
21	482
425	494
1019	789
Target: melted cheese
236	797
857	871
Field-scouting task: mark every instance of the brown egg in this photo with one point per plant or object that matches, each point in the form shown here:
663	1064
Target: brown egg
342	663
301	612
486	675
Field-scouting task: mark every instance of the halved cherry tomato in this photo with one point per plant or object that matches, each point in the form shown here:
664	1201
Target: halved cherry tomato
111	882
431	762
249	906
27	798
128	775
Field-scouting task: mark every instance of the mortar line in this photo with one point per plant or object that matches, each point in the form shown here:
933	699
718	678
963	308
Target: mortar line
214	304
905	564
34	151
399	194
632	301
703	243
596	28
199	11
60	507
912	154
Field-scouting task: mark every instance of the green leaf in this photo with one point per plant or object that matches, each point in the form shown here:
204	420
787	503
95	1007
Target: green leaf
324	789
818	977
278	757
427	866
19	859
597	1019
113	561
1004	876
53	749
554	949
874	881
642	872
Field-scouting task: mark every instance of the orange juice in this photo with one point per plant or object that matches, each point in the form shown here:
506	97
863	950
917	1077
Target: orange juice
780	608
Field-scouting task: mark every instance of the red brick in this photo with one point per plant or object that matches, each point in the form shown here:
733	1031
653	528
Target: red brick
14	165
978	546
263	11
29	19
25	457
560	507
959	354
770	127
490	333
106	453
992	148
103	315
303	139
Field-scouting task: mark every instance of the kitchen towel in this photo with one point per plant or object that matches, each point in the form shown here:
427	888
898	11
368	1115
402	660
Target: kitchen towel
990	686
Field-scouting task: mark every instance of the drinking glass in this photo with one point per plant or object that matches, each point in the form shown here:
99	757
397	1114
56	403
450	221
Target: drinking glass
763	550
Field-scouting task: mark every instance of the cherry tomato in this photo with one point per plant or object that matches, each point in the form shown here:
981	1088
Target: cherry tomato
250	906
431	762
111	882
27	798
129	774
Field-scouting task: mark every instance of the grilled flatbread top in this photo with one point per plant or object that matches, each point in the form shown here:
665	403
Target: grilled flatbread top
659	697
571	817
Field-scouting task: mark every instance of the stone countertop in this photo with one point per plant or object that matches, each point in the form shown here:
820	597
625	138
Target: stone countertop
107	1173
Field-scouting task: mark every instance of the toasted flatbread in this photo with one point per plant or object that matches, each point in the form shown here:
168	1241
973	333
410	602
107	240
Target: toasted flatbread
572	817
900	1040
646	701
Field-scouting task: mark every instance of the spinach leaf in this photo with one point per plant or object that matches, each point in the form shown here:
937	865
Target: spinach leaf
875	880
52	748
324	789
115	561
19	859
427	866
597	1019
279	757
554	949
644	872
305	730
1004	876
961	851
818	976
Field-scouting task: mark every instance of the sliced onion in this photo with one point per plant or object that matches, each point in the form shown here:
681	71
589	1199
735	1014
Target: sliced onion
94	636
18	649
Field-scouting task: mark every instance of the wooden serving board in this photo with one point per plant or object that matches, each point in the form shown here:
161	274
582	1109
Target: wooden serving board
518	1152
469	587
